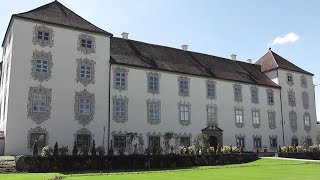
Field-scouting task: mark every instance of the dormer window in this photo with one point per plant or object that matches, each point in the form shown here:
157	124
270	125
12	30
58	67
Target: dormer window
86	43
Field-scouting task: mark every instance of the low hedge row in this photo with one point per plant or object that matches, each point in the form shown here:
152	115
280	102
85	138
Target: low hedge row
300	155
130	162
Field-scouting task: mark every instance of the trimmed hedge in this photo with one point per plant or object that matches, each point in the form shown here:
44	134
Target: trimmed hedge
130	162
300	155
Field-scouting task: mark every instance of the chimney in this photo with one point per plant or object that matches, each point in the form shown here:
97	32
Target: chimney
249	61
233	56
184	47
125	35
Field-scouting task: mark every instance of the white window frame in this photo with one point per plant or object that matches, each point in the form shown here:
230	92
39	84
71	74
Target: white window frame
86	43
211	89
120	114
290	80
270	97
184	113
119	141
85	105
257	142
184	86
85	72
240	141
239	116
212	115
293	120
291	98
153	80
153	111
273	145
83	140
307	121
39	103
305	100
120	80
41	66
254	95
255	118
237	88
272	119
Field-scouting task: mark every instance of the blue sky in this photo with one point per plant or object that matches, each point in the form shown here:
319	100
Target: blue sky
246	28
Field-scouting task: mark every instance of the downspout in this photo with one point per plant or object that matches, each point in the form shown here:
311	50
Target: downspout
109	118
282	122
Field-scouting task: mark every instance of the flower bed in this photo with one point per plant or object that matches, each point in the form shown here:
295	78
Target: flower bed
130	162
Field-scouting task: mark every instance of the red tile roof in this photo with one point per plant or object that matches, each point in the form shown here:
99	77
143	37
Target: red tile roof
145	55
271	61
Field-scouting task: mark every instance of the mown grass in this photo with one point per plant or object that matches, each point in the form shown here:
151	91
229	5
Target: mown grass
260	169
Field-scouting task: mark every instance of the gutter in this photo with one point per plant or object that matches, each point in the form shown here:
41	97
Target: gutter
109	98
282	122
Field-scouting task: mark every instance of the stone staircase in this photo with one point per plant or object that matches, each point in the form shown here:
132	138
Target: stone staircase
7	164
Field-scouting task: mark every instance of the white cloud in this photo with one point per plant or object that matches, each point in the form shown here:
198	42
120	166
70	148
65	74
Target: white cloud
288	38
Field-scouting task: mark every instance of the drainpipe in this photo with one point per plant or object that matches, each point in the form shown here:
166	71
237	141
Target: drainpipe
109	82
282	122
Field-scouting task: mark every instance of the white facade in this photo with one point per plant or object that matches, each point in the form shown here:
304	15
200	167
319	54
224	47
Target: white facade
63	86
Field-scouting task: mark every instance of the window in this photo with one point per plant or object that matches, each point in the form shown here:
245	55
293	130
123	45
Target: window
120	106
307	121
41	65
256	118
304	82
290	79
291	98
272	119
153	83
184	109
86	43
254	95
305	100
185	141
211	89
83	140
84	106
273	142
238	117
270	97
85	71
293	120
153	109
212	115
294	142
308	142
119	141
120	79
154	141
240	142
257	142
43	36
184	86
40	138
237	93
39	103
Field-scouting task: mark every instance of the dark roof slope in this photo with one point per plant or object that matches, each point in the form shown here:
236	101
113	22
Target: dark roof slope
56	13
140	54
271	61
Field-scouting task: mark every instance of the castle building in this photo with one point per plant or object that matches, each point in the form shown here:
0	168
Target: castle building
65	80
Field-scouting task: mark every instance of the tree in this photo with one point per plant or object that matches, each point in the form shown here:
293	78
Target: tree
35	148
93	148
55	149
75	149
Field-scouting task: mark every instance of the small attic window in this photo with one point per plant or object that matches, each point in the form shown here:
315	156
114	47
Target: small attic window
86	43
43	36
290	79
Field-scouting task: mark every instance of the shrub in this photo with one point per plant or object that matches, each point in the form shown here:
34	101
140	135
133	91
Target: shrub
93	148
300	149
226	149
75	149
46	151
211	150
55	149
100	151
313	148
192	150
64	150
284	149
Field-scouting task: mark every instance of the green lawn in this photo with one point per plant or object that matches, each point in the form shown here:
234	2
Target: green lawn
261	169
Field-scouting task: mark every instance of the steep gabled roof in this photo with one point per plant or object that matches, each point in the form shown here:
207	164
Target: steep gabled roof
56	13
145	55
271	61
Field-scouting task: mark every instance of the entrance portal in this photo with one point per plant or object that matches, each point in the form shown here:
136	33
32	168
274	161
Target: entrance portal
213	141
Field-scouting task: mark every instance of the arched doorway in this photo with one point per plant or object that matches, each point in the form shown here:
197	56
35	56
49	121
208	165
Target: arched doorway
213	141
